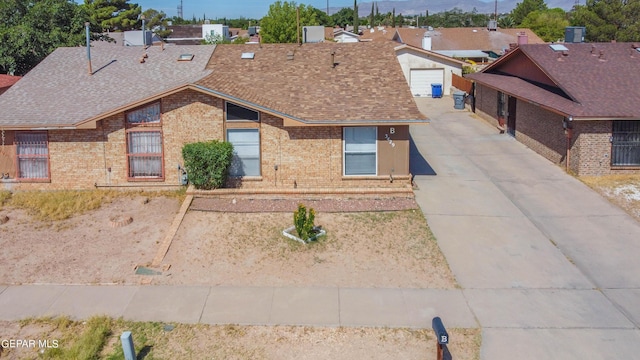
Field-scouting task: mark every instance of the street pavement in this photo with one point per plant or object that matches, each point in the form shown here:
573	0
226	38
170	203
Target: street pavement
547	268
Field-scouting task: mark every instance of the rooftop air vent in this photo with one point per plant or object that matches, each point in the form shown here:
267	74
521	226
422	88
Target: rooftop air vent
247	55
185	57
574	34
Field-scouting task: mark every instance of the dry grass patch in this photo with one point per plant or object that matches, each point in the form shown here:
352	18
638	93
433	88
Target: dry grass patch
99	338
61	205
622	190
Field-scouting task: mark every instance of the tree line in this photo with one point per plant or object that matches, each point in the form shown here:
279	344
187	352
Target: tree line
31	29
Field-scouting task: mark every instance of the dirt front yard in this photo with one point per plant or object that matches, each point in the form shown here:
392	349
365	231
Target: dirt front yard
92	248
361	248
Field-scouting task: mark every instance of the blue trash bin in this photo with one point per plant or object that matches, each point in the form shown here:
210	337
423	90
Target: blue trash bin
436	90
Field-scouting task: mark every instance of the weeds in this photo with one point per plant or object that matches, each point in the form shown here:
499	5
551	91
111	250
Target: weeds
621	190
99	338
61	205
5	196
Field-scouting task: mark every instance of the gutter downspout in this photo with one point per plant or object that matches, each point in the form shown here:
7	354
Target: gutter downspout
568	131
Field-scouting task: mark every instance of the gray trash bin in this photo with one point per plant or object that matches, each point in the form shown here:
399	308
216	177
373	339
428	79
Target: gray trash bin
458	100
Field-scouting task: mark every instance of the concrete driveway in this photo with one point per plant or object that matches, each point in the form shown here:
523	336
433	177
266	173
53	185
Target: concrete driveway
550	269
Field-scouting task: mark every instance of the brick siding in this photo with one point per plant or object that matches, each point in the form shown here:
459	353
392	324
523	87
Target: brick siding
541	131
307	157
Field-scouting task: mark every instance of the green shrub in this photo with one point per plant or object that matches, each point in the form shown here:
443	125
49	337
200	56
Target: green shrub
207	163
303	222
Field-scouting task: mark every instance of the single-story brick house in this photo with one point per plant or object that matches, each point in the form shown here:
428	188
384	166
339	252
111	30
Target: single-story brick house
574	103
315	116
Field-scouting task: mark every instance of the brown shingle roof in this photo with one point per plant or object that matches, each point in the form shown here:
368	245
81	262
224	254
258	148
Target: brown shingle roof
366	85
379	33
60	92
466	38
595	86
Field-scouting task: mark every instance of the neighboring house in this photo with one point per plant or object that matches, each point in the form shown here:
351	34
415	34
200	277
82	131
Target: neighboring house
6	81
315	116
343	36
185	35
574	103
136	38
478	44
422	68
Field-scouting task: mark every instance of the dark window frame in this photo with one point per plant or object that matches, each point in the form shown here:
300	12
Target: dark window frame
625	144
243	110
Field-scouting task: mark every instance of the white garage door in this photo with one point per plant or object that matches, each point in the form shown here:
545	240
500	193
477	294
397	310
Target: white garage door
421	80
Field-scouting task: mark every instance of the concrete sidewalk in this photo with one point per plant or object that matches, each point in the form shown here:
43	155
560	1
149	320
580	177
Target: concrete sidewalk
331	306
549	268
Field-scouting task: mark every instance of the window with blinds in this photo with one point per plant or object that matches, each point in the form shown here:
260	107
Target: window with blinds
246	152
144	143
360	151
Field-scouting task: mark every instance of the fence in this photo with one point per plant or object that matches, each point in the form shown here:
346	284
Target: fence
462	84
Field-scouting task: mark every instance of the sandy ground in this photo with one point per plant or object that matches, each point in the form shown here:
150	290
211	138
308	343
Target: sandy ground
370	249
379	249
85	249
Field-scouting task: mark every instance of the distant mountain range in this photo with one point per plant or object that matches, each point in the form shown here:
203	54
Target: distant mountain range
415	7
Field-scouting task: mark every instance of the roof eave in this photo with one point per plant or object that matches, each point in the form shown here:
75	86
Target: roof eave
430	52
290	120
544	106
90	123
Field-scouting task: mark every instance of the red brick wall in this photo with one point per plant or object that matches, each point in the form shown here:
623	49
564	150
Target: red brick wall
487	104
541	131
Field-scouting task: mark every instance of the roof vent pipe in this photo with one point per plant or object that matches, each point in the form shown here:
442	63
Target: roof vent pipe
426	42
523	38
333	59
86	26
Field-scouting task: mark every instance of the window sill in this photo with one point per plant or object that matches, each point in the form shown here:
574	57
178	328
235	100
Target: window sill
17	181
246	178
363	177
625	167
146	179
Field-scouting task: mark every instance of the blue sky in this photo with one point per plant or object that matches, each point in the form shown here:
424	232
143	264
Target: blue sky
227	8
